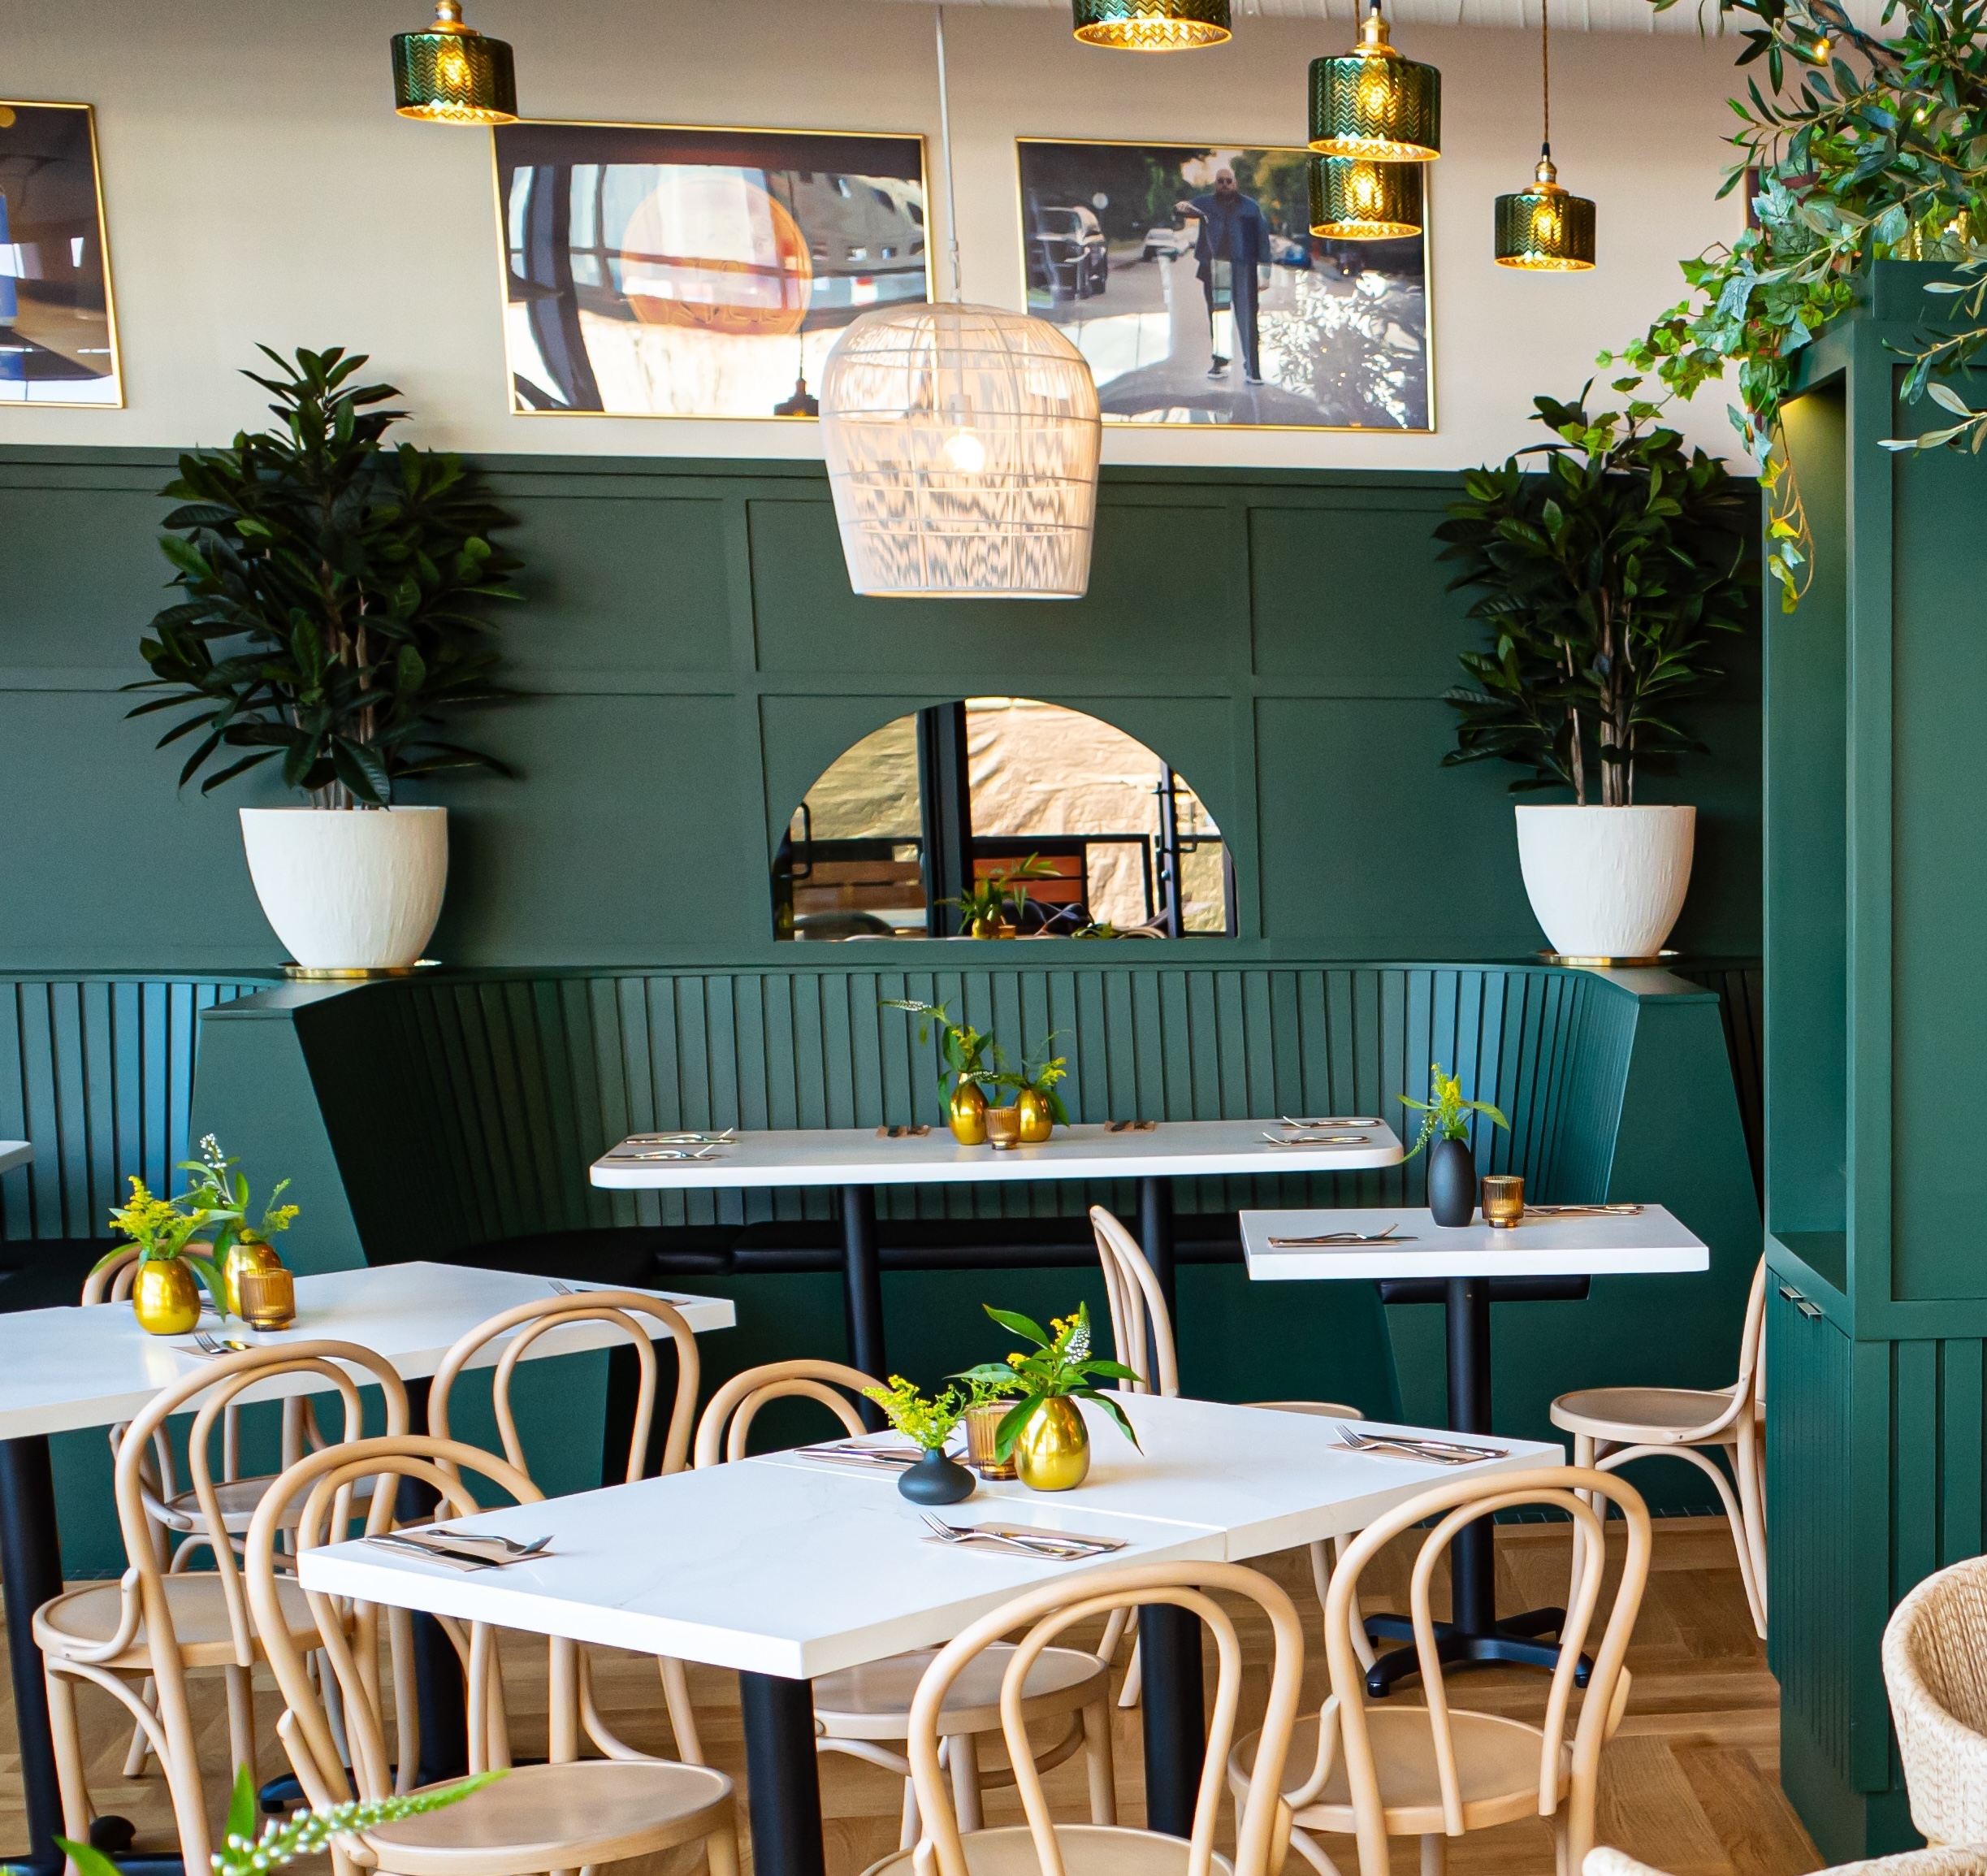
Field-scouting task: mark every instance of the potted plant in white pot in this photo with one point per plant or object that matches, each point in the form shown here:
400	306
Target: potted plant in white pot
331	615
1604	575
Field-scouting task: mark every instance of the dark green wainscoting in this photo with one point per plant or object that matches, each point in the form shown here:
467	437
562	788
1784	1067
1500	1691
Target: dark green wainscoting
694	659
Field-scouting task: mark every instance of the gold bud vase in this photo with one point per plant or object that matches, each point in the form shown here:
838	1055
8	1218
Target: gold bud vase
1053	1452
966	1113
244	1253
1037	1116
165	1296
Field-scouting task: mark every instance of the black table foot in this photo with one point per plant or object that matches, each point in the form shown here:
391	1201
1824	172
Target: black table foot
782	1782
1512	1642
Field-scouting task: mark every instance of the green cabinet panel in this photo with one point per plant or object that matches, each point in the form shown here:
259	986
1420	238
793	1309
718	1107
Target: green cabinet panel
82	571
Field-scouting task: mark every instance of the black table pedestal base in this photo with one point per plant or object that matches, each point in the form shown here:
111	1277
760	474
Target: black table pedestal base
1513	1642
1171	1707
782	1779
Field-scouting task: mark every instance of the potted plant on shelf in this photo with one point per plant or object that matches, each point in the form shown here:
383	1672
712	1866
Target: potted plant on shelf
983	908
1445	1132
927	1422
237	1247
332	591
1604	576
964	1069
164	1296
1043	1430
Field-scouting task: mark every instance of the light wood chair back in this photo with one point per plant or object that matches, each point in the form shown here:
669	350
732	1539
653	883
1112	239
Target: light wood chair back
1935	1672
1137	1307
1053	1609
527	1321
738	1401
111	1281
325	1483
1582	1494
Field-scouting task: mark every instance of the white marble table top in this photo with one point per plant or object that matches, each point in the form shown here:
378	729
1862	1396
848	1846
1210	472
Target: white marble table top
61	1369
1589	1246
784	1565
14	1152
862	1156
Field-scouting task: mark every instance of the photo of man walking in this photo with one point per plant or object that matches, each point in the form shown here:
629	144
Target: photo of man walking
1234	243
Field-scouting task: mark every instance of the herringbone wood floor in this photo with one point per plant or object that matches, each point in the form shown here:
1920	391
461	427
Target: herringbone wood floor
1690	1783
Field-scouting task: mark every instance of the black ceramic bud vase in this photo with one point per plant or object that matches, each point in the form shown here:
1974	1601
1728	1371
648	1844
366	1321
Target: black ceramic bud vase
1452	1182
937	1480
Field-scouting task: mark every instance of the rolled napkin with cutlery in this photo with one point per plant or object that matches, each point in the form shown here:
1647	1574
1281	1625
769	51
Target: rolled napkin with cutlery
1021	1539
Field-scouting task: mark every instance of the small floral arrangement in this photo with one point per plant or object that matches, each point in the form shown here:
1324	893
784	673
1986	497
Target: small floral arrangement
1061	1367
283	1839
163	1228
984	906
962	1050
1445	1113
1038	1080
925	1420
217	1185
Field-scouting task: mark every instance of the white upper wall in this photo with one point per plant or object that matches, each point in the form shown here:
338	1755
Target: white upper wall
260	189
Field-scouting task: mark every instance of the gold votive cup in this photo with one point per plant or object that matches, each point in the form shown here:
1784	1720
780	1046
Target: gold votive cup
268	1299
983	1440
1503	1200
1003	1128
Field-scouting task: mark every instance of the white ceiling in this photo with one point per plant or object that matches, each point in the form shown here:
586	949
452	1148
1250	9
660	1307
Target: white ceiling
1577	15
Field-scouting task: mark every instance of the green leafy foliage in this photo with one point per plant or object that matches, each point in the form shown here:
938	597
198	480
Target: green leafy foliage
332	595
925	1420
984	906
1061	1366
163	1228
1860	147
1445	1114
1037	1078
964	1052
246	1852
218	1186
1603	576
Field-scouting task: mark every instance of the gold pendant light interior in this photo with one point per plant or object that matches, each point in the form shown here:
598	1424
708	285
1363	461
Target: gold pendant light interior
1372	103
1545	229
1356	201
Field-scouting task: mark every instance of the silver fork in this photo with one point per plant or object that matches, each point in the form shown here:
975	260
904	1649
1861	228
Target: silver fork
559	1288
951	1534
1446	1451
219	1344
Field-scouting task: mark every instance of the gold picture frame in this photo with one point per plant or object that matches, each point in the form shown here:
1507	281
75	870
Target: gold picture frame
1168	375
54	261
669	344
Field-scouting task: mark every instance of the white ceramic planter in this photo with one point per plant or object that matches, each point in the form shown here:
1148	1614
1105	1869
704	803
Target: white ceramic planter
1606	882
349	889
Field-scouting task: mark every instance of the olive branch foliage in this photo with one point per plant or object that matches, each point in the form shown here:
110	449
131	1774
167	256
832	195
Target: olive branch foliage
333	595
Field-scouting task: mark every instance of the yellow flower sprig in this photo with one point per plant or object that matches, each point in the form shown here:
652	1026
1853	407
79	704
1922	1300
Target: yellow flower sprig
927	1421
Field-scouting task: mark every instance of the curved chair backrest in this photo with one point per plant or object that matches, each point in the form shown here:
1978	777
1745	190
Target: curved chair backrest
1583	1496
742	1397
528	1321
111	1281
1137	1306
1056	1607
324	1482
1935	1671
1752	1343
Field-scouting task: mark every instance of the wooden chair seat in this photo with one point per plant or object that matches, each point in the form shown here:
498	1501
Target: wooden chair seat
1087	1850
538	1817
239	1500
1647	1416
1496	1768
84	1619
873	1701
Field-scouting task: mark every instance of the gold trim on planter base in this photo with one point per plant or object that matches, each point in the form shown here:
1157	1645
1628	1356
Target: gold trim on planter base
315	974
1605	964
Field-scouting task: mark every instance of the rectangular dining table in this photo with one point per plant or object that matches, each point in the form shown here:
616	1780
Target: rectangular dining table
783	1567
1467	1260
858	1159
62	1369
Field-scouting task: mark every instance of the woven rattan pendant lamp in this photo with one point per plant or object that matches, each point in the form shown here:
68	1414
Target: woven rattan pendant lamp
962	443
1544	229
1371	102
450	73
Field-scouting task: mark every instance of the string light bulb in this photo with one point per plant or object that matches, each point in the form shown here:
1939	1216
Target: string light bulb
450	73
1545	229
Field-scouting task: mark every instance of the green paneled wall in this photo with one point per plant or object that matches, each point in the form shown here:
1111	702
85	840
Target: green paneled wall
694	658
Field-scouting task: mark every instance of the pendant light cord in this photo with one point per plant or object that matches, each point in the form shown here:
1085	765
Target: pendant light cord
944	149
1545	70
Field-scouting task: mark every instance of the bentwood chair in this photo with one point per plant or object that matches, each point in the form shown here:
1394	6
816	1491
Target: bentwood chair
947	1847
1611	1426
1935	1671
157	1625
1140	1328
1381	1770
569	1813
621	1310
1971	1861
865	1712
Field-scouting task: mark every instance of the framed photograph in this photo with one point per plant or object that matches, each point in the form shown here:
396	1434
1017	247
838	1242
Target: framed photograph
58	328
1187	274
656	271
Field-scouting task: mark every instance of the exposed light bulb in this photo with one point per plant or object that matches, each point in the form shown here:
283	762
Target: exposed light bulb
964	452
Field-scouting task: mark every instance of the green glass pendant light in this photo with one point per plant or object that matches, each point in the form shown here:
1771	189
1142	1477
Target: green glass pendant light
1152	25
1354	200
1545	229
450	73
1371	102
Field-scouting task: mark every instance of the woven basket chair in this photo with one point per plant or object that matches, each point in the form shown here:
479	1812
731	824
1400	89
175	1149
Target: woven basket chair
1967	1862
1935	1670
